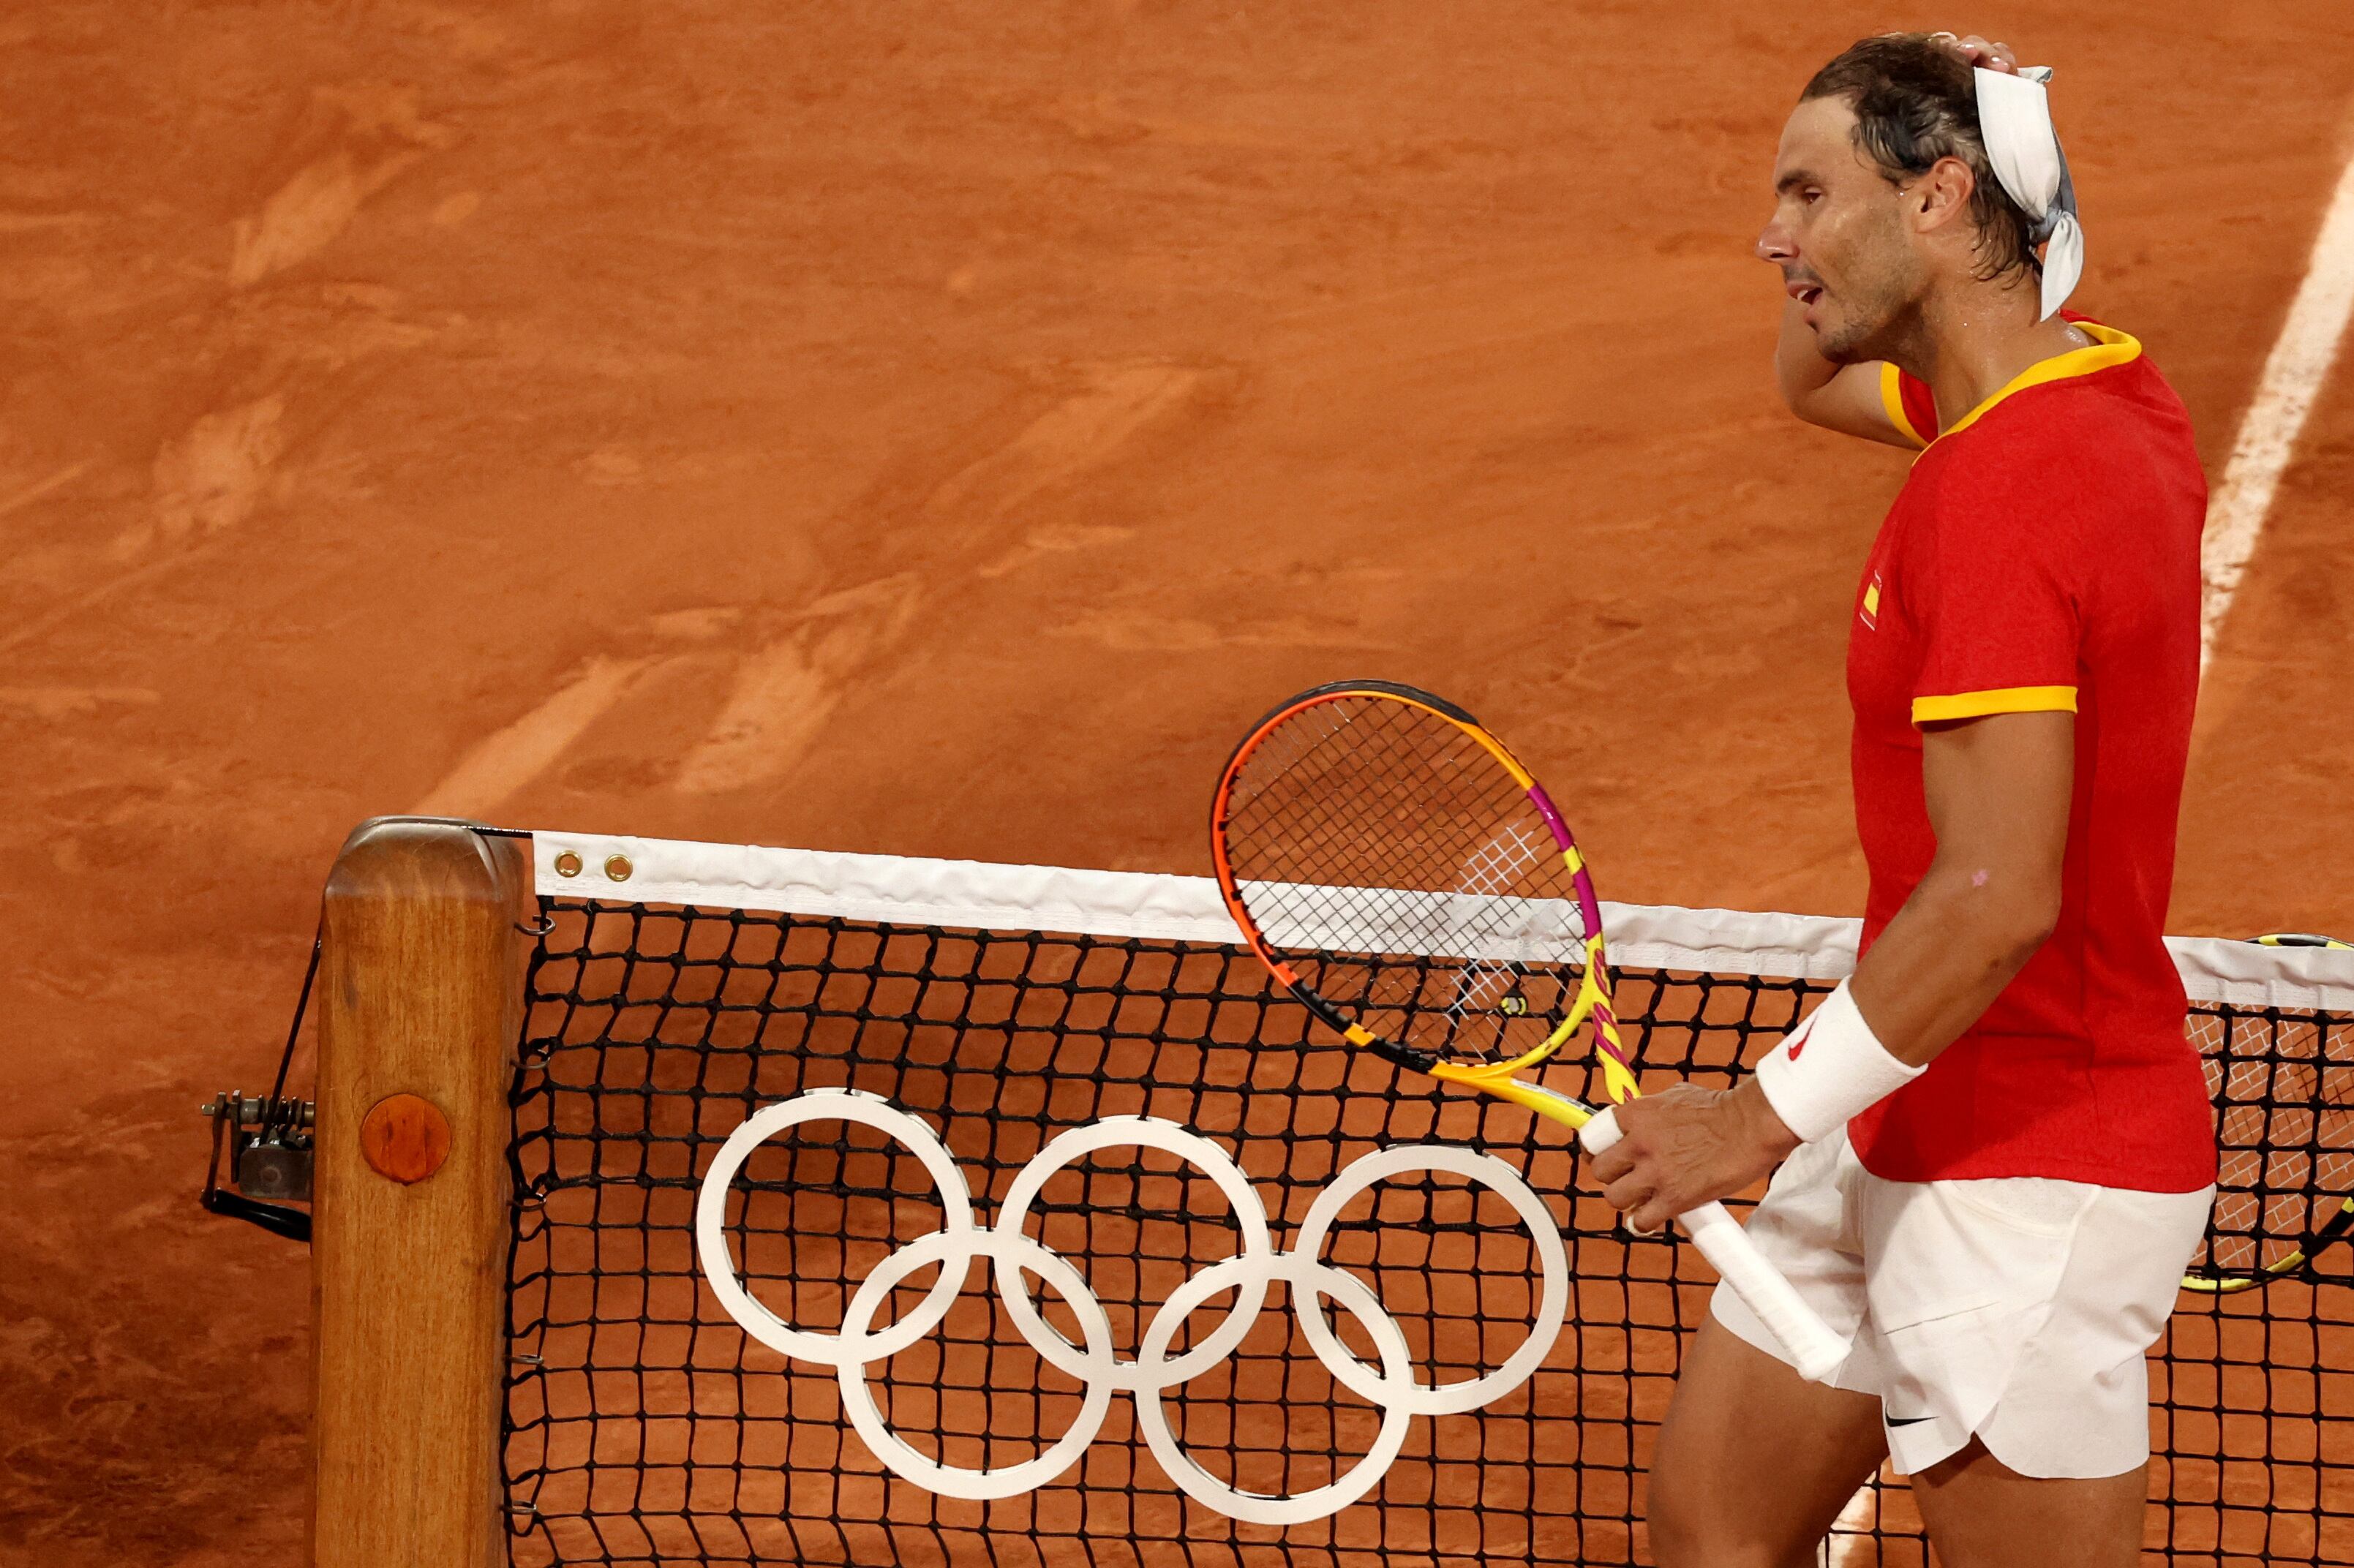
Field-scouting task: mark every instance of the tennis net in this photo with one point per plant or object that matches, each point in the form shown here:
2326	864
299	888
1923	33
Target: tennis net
1049	1357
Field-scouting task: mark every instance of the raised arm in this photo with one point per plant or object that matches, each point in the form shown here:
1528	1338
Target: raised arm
1842	397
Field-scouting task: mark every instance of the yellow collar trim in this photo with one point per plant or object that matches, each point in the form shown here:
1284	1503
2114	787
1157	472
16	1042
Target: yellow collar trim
2110	348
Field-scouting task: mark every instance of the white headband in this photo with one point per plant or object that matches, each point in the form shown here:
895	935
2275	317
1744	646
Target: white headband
2015	120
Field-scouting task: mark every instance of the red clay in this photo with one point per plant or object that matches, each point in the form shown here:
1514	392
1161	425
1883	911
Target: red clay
934	430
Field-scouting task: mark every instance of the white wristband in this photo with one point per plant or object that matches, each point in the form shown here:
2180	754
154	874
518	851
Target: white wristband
1828	1068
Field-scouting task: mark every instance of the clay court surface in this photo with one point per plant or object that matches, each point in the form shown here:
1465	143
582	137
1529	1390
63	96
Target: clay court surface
936	429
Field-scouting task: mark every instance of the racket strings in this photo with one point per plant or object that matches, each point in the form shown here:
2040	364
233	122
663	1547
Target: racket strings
2284	1085
1500	867
1363	828
1310	813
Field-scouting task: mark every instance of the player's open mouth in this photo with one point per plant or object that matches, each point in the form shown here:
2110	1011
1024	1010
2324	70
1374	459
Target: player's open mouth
1804	294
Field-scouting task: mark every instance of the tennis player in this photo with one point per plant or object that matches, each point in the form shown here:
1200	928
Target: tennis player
1994	1144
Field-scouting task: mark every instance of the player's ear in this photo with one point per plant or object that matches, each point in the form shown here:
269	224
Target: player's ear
1941	196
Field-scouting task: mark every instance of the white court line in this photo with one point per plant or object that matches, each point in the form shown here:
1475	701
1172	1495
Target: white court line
2292	376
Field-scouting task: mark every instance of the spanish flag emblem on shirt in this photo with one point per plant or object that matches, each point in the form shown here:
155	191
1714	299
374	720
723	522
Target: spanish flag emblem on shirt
1872	603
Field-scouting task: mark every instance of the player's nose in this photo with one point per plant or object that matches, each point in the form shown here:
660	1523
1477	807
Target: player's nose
1774	244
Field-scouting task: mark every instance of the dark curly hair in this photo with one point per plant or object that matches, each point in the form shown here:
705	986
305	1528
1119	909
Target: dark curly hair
1915	101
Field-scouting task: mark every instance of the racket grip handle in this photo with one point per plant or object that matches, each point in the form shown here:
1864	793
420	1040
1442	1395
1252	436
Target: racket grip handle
1601	1130
1816	1350
1812	1346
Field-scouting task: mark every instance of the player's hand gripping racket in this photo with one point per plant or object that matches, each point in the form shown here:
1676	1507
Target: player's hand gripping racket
1363	822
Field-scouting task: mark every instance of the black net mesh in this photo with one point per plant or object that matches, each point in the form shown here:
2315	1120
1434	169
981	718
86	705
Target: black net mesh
645	1426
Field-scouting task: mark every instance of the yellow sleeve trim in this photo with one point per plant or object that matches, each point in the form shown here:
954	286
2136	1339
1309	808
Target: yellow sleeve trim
2003	700
1891	403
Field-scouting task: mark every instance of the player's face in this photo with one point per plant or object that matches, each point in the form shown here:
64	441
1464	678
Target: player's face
1838	235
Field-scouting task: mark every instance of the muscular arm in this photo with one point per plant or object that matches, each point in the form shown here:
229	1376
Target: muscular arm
1842	397
1999	791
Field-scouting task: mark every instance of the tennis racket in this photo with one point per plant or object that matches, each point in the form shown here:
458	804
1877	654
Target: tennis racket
1363	820
2285	1189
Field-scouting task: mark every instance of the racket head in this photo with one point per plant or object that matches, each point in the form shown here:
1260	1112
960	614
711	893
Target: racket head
1400	870
2282	1083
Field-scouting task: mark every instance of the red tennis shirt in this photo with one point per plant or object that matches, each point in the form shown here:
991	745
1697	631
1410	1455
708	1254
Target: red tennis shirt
2044	555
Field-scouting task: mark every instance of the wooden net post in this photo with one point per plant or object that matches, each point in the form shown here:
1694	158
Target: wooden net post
421	998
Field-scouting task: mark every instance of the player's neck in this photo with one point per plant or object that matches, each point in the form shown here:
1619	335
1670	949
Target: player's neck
1971	342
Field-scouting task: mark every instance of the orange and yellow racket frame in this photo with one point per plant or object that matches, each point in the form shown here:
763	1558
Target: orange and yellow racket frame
1591	1007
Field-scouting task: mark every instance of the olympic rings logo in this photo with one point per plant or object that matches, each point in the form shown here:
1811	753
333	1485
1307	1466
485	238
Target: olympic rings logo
963	1240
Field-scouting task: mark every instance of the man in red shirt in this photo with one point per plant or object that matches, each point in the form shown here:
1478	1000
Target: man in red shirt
1995	1148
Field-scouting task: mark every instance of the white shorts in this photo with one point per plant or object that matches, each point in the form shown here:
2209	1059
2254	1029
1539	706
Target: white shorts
2016	1311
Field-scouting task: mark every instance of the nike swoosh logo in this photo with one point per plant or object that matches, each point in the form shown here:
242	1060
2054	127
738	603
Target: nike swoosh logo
1798	1041
1905	1420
